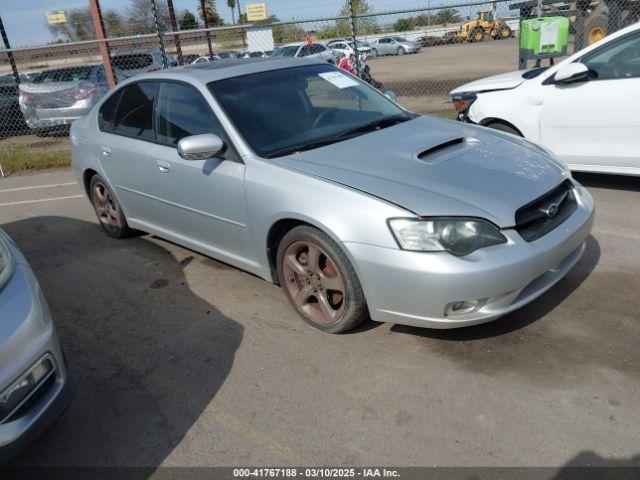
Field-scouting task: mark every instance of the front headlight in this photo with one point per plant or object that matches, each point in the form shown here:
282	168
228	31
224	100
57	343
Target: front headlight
459	236
6	263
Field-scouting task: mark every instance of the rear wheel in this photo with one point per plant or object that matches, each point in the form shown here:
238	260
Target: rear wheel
319	281
505	32
595	27
107	208
374	53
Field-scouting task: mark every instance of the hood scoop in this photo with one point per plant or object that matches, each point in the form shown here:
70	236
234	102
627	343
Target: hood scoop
447	149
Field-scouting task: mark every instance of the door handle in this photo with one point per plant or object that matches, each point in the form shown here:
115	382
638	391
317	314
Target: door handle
164	167
106	151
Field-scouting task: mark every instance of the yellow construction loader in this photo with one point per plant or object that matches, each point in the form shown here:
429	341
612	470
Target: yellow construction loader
485	26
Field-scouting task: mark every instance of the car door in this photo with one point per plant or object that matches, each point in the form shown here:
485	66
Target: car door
387	46
125	134
200	202
596	122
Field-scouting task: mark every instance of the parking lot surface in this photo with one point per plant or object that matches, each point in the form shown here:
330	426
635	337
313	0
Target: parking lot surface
182	360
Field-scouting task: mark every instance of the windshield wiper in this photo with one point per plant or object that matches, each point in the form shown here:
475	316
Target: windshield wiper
302	147
377	124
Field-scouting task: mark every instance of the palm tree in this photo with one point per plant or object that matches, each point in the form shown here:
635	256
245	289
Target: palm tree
209	13
232	4
447	15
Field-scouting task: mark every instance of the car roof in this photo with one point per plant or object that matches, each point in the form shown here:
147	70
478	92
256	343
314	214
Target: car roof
220	69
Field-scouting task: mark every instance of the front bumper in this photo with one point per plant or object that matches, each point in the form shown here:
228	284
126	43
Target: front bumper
414	288
27	334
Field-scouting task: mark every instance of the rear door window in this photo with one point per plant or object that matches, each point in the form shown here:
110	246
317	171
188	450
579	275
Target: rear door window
107	112
134	117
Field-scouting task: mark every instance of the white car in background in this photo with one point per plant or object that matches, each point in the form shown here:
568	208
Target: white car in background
306	50
345	48
584	109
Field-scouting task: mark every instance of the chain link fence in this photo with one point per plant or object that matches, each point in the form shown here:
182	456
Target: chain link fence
421	53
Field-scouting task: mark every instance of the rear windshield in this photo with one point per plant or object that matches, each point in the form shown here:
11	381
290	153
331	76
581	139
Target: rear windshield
64	75
136	61
285	51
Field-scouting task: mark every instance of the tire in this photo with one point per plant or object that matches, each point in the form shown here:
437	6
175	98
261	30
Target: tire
107	208
595	27
374	53
477	35
401	51
504	128
504	32
311	283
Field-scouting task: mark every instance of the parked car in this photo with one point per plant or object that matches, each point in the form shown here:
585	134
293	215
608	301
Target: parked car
396	46
345	48
307	50
256	54
56	98
308	177
188	58
141	61
35	385
228	54
581	109
11	121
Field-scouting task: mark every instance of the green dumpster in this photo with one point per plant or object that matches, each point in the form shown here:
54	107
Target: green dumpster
544	37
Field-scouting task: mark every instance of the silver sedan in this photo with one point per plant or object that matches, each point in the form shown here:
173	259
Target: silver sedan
35	387
307	177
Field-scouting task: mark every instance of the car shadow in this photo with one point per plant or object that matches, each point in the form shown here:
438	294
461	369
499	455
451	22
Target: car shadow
614	182
589	465
147	354
525	315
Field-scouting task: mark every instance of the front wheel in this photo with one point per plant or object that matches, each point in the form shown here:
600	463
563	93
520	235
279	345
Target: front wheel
107	208
504	128
319	281
401	51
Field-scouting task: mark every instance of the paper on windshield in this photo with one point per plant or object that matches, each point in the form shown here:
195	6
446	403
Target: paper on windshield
338	79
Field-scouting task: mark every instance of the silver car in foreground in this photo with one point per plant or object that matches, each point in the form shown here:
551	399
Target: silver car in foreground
306	176
35	387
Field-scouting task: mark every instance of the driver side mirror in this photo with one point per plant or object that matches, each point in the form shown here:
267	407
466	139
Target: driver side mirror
200	147
391	95
572	73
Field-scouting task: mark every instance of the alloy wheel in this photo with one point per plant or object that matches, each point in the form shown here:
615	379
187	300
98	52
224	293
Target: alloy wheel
105	206
314	282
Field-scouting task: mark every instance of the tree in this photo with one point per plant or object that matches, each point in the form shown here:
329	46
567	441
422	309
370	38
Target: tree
364	25
210	14
448	15
403	25
79	25
188	21
140	16
232	4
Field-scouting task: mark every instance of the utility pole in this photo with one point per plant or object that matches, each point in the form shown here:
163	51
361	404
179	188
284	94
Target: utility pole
174	27
98	26
540	8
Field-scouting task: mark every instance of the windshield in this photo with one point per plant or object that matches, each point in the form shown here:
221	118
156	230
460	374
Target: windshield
294	109
285	51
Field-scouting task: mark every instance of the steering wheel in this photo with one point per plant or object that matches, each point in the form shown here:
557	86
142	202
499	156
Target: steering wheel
324	115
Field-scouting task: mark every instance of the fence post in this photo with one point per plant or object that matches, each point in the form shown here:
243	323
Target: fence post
203	9
154	11
174	28
12	61
98	26
354	34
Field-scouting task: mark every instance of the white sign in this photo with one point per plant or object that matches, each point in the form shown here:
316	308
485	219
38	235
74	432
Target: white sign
338	79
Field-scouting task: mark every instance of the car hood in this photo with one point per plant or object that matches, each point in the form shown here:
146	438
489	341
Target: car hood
435	167
504	81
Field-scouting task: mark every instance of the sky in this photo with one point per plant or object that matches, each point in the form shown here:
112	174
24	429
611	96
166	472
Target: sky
25	20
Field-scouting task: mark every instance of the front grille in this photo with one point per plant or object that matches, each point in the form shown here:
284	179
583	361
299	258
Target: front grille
547	212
